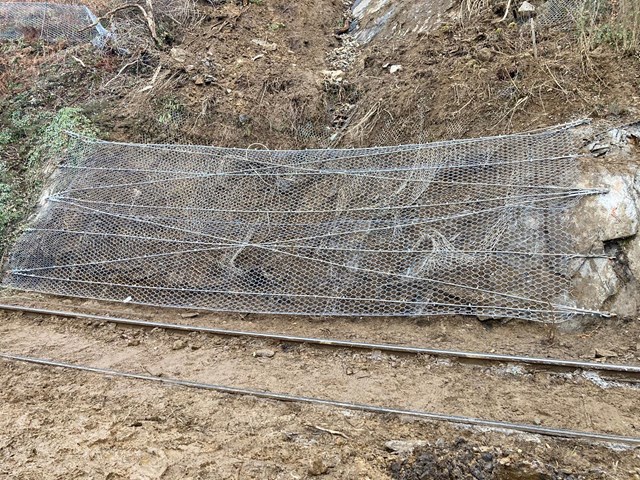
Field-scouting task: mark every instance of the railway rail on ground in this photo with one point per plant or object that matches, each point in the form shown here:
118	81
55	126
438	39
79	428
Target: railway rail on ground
633	371
549	363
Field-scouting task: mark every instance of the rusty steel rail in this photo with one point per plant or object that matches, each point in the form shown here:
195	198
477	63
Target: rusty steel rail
465	355
478	422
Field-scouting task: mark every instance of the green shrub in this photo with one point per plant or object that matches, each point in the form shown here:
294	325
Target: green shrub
31	144
53	140
619	26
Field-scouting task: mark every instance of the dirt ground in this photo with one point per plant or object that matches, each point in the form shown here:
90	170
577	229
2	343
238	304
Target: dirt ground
97	427
615	340
115	429
261	74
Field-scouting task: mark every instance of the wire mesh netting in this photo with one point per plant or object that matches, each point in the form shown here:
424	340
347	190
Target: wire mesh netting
473	226
50	22
566	13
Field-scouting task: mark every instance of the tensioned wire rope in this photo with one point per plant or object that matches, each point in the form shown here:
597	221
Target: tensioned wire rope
280	246
266	246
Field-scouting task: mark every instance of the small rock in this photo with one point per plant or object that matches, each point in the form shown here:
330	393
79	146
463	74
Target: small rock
134	342
264	44
537	421
195	346
333	75
487	457
395	68
404	447
179	345
601	353
243	119
618	136
199	80
179	55
189	315
376	355
318	468
264	353
526	8
598	149
484	54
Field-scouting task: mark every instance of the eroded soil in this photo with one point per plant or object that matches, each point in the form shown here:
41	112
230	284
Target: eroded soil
99	426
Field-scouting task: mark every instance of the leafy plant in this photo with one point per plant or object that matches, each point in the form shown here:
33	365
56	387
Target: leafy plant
53	139
617	26
275	26
7	208
31	143
171	112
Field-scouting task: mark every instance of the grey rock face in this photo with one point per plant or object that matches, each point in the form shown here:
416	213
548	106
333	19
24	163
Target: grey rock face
384	19
608	224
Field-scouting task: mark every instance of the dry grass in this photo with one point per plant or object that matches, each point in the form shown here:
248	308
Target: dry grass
616	23
628	19
95	5
472	8
169	19
4	76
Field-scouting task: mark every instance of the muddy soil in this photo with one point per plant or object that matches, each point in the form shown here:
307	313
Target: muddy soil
112	428
600	340
411	382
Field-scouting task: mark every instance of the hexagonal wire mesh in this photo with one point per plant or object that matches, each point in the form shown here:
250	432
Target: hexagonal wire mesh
50	22
473	226
566	13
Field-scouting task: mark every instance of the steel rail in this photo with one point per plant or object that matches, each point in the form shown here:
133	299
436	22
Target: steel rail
477	356
520	427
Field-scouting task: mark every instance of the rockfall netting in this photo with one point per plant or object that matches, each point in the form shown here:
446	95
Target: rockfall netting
50	22
474	226
567	13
